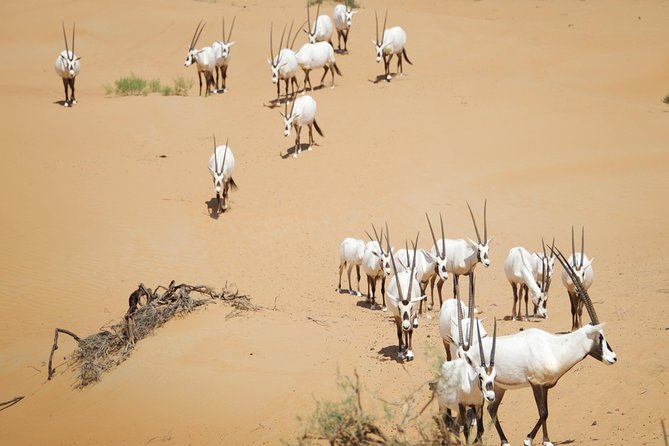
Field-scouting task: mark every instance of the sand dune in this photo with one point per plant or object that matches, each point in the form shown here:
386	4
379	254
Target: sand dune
552	111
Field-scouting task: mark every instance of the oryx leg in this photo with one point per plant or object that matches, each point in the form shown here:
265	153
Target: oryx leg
400	70
400	341
298	129
345	32
357	272
573	299
216	69
306	80
447	347
492	410
73	100
332	71
371	297
199	78
339	33
527	295
348	273
407	336
311	136
295	86
325	72
226	189
541	398
462	421
479	425
383	293
278	90
66	84
456	286
224	75
579	311
341	270
515	300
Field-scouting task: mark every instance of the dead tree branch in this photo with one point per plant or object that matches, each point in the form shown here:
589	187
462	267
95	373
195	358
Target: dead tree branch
10	403
54	347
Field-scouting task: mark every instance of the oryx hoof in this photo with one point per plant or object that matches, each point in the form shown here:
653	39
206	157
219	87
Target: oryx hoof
388	77
66	104
548	443
384	308
74	101
294	155
309	148
353	293
527	442
372	307
400	356
415	323
409	355
429	308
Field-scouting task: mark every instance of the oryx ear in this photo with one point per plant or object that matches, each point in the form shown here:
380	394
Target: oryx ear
270	62
428	255
418	299
297	115
589	264
373	42
376	254
77	58
282	115
489	240
354	12
63	57
305	31
230	44
468	359
472	242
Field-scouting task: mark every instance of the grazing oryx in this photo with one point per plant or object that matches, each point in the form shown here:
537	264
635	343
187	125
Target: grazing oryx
222	53
376	266
302	112
392	43
284	65
582	267
403	297
317	55
538	359
343	20
67	67
465	383
540	263
204	58
462	256
351	251
221	165
322	29
440	262
520	275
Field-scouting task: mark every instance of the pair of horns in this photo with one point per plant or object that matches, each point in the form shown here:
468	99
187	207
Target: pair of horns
485	223
404	299
65	37
544	263
378	238
318	10
271	44
580	289
225	154
196	34
231	28
385	18
466	346
573	251
441	254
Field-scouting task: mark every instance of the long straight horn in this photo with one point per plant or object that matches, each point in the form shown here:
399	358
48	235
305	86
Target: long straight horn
198	35
290	31
225	154
443	237
67	50
580	290
406	251
223	35
478	236
434	239
573	249
376	234
385	18
582	235
231	28
413	266
297	33
376	17
308	18
461	341
494	344
370	237
281	41
478	334
553	248
471	311
392	259
192	39
318	11
543	246
215	156
271	41
74	25
485	221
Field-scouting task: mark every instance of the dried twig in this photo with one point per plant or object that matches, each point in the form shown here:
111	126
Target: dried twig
54	347
11	402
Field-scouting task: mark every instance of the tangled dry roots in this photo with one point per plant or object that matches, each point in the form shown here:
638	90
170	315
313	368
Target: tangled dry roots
112	345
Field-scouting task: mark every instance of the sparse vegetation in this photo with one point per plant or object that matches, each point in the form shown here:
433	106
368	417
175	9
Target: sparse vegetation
350	3
134	85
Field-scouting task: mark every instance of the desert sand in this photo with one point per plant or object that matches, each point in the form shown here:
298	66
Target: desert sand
552	111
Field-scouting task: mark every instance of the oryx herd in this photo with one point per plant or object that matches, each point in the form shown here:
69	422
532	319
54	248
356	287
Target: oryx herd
317	53
479	369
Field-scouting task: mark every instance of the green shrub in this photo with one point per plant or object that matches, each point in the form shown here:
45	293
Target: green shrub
131	86
182	85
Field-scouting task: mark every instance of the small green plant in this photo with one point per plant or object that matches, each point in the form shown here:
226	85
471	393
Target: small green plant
134	85
182	85
154	86
166	90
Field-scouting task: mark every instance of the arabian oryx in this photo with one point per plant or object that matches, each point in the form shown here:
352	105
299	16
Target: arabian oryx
221	166
204	58
302	112
520	275
464	383
284	65
463	256
222	53
582	267
448	324
538	359
351	252
317	55
376	266
322	29
67	67
343	20
403	298
543	267
393	43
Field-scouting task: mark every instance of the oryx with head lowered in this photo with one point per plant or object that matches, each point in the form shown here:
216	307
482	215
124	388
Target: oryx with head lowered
582	267
221	165
67	67
376	266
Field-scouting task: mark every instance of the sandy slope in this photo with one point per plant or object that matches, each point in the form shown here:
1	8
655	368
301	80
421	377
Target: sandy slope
550	110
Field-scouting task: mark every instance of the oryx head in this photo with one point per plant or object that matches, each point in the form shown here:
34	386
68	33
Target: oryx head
482	247
382	255
486	373
440	249
275	62
312	29
406	303
70	60
192	52
219	179
538	297
226	44
580	265
349	13
599	347
378	43
288	118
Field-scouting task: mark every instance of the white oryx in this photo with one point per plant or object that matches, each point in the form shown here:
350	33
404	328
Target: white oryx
462	256
393	43
222	53
204	58
464	383
520	275
543	262
67	67
302	112
284	65
376	266
539	359
448	325
582	267
322	29
343	20
221	165
351	251
403	298
313	56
